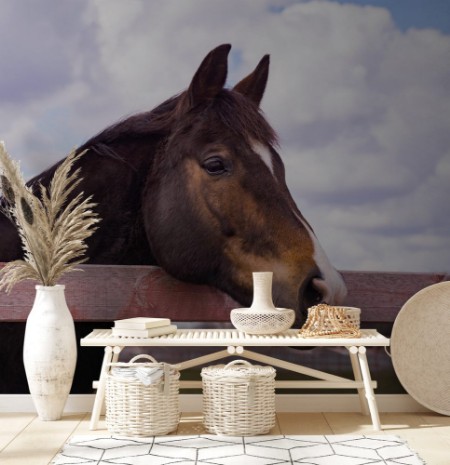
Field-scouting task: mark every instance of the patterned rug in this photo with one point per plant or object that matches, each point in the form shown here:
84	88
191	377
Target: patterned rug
224	450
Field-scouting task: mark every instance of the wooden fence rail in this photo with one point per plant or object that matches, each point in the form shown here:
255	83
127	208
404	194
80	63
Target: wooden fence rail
100	294
108	292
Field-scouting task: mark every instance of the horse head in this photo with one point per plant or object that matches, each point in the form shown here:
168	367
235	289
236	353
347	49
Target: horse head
197	187
216	206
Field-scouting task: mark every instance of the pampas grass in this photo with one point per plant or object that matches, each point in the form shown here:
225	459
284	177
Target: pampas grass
53	230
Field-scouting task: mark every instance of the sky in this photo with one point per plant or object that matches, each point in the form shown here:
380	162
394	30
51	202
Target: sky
358	92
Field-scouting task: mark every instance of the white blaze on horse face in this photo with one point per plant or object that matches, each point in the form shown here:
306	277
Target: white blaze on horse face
331	286
264	152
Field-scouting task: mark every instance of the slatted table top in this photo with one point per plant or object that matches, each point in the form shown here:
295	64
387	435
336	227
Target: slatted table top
230	337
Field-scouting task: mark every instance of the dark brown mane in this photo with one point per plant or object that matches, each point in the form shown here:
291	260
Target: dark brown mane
234	110
158	121
243	117
239	114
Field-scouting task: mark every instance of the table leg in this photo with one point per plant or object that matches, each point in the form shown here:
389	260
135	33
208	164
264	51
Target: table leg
370	396
353	351
111	356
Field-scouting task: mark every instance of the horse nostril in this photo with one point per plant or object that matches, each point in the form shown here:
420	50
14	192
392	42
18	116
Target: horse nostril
309	294
322	289
314	293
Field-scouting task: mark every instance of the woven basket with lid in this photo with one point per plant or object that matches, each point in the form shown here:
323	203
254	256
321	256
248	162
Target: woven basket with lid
136	409
239	398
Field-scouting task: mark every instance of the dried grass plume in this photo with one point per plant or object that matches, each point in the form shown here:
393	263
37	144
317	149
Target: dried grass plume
53	230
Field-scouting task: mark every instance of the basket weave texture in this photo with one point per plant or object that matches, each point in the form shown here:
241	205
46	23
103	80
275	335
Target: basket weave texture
238	398
134	409
332	321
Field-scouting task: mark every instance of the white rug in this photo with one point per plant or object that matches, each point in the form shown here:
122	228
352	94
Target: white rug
224	450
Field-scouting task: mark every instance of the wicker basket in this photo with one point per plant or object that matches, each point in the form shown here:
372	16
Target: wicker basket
136	409
332	321
239	398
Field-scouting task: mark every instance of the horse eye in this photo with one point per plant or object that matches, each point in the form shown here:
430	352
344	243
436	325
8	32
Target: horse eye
214	166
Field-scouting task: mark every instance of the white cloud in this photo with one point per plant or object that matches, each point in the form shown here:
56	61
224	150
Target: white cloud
362	107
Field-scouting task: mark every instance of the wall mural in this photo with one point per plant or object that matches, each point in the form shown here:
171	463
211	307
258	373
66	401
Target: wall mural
197	187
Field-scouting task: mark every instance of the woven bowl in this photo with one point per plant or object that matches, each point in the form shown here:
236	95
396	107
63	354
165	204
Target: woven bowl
252	321
352	315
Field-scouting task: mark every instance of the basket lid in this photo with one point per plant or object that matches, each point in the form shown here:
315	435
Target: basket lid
238	369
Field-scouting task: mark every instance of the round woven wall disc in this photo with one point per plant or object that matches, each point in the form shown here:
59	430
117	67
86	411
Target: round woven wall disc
420	347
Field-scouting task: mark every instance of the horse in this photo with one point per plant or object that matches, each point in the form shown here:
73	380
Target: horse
196	186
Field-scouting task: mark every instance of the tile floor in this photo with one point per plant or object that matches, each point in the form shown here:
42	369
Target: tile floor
24	439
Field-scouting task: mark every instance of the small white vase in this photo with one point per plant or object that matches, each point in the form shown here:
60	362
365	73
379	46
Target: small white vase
50	351
262	317
262	291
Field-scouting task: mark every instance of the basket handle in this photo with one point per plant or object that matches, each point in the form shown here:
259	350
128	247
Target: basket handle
250	384
148	357
236	362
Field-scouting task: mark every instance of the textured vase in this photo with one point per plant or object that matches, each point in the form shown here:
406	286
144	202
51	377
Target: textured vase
50	351
262	317
262	291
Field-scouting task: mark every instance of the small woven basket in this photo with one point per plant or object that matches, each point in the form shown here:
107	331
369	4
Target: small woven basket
134	409
238	398
332	321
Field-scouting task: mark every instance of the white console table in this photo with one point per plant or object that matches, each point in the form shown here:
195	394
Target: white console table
236	343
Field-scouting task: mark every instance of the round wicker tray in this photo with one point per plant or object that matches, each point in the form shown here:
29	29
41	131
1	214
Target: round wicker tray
420	347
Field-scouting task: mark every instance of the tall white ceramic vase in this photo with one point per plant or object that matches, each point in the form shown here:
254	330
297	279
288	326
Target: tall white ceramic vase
50	351
262	291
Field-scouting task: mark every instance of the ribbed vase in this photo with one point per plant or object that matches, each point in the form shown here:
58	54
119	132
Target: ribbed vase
50	351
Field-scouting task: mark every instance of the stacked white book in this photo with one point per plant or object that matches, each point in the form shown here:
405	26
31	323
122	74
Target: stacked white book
143	327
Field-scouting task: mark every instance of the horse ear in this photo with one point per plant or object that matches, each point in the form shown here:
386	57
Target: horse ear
254	85
210	77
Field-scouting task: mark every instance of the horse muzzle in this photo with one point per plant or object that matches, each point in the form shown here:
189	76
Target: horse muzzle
316	289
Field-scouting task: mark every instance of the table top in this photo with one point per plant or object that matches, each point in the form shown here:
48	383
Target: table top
230	337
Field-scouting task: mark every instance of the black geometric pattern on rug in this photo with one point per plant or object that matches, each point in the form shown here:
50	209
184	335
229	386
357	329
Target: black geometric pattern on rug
225	450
